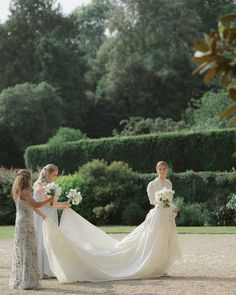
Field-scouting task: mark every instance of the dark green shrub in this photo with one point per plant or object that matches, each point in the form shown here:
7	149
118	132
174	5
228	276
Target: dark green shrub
207	187
39	113
10	155
139	125
191	214
38	108
104	214
204	187
204	113
200	151
223	216
7	208
133	214
231	202
106	190
66	134
67	182
226	214
107	194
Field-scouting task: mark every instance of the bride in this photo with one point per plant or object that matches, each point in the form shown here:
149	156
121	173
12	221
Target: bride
79	251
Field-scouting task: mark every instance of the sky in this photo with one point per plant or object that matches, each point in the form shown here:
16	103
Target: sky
67	7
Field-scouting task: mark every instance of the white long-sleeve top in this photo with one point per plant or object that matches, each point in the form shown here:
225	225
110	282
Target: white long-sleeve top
156	185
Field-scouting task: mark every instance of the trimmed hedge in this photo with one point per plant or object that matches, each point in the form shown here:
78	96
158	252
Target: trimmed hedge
115	194
207	187
199	151
120	197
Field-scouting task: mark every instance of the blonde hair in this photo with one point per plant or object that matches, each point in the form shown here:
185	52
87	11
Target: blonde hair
162	163
21	182
43	174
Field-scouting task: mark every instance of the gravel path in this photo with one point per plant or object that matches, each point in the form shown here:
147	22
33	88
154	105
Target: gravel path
208	267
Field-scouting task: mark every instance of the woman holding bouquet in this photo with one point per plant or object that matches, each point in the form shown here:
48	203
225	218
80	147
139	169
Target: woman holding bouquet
45	188
160	195
80	251
159	183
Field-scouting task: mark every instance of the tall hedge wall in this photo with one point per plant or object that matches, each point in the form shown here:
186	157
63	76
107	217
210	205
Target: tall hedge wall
209	188
199	151
200	187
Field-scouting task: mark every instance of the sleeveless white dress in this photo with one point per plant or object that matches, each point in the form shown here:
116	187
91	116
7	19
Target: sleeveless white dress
79	251
44	268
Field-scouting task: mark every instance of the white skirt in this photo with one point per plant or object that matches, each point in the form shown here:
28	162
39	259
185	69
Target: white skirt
79	251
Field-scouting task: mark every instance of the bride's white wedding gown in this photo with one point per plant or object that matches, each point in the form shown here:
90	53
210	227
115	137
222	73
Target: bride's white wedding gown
79	251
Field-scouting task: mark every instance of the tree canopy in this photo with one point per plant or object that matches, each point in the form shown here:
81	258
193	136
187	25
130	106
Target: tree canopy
106	62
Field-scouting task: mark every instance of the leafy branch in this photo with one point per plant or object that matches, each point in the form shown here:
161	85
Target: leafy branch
215	55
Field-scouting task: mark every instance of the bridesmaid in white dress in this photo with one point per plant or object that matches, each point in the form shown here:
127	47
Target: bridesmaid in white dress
47	175
24	271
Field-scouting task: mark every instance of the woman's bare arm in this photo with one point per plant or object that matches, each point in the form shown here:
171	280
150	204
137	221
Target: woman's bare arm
40	213
61	204
40	189
27	196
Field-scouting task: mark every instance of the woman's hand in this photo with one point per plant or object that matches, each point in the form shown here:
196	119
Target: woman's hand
176	211
61	205
66	205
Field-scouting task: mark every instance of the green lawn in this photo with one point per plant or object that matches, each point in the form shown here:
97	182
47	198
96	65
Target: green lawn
180	229
7	232
206	229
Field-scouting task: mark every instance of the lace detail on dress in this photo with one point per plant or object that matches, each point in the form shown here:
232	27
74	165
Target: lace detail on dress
24	271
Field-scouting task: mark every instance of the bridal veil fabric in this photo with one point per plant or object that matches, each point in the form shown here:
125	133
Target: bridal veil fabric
79	251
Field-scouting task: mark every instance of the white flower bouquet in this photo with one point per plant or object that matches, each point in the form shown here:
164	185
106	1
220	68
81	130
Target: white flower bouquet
52	190
74	197
164	197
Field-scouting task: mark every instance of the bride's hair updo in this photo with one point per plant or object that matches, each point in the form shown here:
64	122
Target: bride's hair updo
21	182
162	163
45	172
